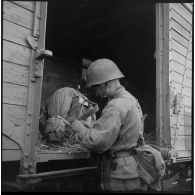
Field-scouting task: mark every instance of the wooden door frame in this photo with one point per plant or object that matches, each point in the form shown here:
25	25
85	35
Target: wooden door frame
35	87
163	133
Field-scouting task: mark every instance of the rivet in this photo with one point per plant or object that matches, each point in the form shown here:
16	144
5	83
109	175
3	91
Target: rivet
28	133
38	16
33	80
26	154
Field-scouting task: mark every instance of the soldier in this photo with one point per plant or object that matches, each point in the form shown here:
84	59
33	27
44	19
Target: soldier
116	131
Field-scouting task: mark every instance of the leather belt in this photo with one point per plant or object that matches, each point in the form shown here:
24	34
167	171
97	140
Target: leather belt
123	154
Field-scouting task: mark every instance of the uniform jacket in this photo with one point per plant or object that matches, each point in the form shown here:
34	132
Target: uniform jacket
117	129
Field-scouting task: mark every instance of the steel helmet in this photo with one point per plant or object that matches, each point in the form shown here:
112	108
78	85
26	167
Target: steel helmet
101	71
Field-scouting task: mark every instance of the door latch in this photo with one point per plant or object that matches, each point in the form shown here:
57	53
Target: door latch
38	67
41	53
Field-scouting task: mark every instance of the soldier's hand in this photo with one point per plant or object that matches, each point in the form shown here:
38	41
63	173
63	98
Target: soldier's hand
77	125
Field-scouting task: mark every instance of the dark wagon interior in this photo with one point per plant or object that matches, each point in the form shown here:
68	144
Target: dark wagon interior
123	31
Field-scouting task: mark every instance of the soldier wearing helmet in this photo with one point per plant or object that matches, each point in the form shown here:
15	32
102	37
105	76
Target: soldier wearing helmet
116	132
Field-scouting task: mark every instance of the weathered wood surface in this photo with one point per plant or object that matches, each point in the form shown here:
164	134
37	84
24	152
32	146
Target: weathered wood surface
180	9
16	53
11	155
14	94
178	47
179	38
177	67
15	33
8	144
183	143
14	73
183	120
183	22
178	57
26	4
17	14
180	29
14	122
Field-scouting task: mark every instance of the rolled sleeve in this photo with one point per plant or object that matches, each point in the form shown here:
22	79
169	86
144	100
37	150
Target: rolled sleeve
104	132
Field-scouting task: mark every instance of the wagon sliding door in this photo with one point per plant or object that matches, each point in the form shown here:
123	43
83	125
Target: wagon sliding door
23	43
174	78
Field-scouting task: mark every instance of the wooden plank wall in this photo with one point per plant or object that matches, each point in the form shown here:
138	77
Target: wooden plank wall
17	25
180	77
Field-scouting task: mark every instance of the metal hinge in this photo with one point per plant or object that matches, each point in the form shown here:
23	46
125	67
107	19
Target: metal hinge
32	42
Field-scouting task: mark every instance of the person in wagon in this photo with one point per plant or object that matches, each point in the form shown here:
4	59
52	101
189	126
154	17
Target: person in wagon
116	131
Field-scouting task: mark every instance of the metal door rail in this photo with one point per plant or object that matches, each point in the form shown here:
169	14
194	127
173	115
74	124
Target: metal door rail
38	177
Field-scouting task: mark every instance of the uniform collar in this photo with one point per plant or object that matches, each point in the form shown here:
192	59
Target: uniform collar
119	91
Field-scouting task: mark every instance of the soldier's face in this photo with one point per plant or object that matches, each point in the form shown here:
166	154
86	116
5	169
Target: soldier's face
99	90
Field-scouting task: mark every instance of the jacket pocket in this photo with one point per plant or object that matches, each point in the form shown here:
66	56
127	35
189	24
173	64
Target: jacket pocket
125	168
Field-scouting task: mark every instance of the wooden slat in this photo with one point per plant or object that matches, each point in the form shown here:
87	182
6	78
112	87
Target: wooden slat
17	14
16	53
176	36
183	120
15	73
189	73
183	143
188	82
180	20
14	94
9	144
177	67
185	130
178	89
177	27
27	4
187	101
187	91
187	110
184	154
189	64
15	33
190	56
182	11
178	58
14	122
176	77
11	155
178	47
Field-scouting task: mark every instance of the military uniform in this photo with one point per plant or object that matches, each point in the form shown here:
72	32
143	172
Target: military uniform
116	131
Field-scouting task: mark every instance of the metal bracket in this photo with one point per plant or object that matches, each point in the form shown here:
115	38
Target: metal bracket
32	42
41	53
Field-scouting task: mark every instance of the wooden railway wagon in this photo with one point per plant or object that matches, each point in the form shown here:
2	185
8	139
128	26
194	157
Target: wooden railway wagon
152	45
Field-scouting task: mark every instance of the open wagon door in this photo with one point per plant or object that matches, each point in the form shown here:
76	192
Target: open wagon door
174	78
